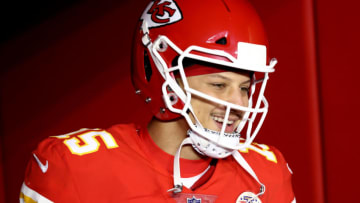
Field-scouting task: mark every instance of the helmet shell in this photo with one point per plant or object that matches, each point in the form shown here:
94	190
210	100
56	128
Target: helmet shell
212	24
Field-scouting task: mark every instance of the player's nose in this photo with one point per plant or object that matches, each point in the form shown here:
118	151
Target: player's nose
238	97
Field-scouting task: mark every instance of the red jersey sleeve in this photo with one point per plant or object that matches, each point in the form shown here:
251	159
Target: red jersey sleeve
47	176
283	190
272	170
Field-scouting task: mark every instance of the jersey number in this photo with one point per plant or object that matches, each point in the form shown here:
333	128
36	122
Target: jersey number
263	150
89	143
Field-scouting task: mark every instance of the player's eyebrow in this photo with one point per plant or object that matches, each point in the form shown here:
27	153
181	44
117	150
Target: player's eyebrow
247	81
226	78
218	76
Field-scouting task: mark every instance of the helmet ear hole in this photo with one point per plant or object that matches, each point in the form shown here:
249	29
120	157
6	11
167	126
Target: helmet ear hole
147	66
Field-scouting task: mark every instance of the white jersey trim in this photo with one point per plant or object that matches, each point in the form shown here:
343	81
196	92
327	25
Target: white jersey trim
294	201
28	195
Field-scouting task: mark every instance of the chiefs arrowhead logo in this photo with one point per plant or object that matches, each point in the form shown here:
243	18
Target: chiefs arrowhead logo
161	12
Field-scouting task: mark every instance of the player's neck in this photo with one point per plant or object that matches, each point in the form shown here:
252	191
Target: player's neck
169	135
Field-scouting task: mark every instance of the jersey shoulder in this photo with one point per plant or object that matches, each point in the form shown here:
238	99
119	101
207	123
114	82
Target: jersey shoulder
83	148
263	153
58	161
272	169
268	162
88	141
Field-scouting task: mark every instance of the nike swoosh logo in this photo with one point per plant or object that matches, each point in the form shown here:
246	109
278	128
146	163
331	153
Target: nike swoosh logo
43	167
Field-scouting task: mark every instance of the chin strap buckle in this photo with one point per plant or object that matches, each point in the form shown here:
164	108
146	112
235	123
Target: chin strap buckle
262	190
176	189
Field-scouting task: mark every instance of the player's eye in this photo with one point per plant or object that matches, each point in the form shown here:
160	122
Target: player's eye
218	85
245	89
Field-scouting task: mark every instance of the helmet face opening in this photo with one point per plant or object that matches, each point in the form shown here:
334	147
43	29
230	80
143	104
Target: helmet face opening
175	42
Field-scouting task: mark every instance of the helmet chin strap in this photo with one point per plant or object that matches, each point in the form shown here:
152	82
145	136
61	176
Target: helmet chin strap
178	185
243	163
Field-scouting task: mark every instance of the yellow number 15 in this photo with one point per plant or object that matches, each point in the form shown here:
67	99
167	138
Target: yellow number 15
89	142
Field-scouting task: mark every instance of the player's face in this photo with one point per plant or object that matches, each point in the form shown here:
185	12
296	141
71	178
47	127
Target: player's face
228	86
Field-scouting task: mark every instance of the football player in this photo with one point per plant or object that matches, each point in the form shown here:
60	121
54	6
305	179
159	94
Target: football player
202	67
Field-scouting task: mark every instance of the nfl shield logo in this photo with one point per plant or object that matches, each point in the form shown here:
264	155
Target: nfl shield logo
193	200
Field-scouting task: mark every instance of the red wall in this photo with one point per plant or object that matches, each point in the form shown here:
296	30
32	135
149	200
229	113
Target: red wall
72	71
338	45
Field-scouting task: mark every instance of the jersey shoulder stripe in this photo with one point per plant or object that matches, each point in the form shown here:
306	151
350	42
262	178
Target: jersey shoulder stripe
28	195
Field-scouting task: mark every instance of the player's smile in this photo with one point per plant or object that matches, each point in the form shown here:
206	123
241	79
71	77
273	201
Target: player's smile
231	123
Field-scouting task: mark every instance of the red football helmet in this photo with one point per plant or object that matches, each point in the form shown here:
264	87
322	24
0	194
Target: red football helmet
212	24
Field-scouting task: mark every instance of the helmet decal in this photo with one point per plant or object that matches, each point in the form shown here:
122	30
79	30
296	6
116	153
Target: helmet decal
161	12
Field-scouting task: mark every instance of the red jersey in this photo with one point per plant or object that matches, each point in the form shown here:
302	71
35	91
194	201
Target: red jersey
117	165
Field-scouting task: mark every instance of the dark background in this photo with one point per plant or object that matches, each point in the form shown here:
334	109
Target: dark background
65	65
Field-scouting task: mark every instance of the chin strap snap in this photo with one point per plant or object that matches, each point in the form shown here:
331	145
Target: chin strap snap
176	189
